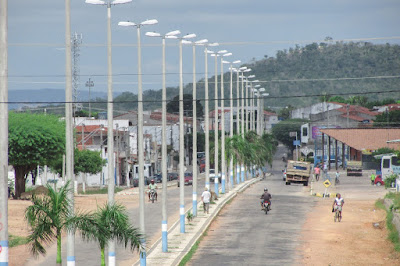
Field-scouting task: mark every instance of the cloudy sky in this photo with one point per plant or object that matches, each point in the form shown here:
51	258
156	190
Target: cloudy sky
249	29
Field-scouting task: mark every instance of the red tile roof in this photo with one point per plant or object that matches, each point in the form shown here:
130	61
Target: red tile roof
365	138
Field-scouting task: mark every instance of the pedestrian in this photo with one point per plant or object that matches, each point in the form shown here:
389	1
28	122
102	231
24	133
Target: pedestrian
373	176
337	175
206	197
317	170
326	170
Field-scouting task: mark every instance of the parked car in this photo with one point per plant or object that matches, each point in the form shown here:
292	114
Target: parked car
157	178
212	176
188	179
172	176
378	181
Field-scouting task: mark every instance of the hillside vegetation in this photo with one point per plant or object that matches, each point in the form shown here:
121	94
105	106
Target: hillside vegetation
301	76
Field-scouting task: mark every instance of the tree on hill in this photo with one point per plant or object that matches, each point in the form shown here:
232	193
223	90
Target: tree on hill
282	129
173	106
34	139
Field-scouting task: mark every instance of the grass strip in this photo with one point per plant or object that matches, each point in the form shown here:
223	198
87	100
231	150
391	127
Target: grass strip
193	250
393	233
100	191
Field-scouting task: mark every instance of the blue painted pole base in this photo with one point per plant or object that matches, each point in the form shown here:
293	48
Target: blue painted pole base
216	187
223	185
182	218
164	230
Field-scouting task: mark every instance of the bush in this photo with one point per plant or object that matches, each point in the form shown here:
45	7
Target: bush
389	180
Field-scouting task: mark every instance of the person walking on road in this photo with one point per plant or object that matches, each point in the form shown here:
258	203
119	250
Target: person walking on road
317	170
206	197
373	176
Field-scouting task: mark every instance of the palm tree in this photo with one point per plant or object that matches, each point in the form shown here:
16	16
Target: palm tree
48	217
110	222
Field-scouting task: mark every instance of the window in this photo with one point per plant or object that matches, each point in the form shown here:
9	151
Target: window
395	161
386	163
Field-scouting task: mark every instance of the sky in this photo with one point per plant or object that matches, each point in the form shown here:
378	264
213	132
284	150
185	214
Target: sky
248	29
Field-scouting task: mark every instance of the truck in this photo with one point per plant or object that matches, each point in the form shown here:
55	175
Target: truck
298	172
354	168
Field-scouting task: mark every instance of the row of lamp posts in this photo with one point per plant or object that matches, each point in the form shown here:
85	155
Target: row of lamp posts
244	116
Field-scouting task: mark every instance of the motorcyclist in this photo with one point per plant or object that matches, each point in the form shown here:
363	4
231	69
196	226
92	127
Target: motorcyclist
152	186
265	197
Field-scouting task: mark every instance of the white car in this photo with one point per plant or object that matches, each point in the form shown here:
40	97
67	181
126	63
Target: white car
212	176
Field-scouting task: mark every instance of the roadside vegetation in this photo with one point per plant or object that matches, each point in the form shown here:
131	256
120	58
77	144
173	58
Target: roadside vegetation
50	216
393	232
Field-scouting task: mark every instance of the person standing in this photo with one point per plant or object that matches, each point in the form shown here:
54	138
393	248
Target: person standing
206	197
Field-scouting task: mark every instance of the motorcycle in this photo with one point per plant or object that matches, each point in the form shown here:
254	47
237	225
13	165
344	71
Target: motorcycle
152	195
267	206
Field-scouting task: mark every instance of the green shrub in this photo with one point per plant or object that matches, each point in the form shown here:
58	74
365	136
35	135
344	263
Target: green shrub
389	180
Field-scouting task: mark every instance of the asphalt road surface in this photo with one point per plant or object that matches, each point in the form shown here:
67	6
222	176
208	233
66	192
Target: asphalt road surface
245	235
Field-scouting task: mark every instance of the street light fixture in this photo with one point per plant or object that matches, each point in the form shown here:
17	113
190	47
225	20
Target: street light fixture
164	155
140	126
223	162
231	69
181	139
206	111
110	132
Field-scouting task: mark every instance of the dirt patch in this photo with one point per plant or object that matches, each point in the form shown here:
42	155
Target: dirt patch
18	226
353	241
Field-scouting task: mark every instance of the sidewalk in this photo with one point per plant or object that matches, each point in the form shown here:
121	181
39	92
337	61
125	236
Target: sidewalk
179	244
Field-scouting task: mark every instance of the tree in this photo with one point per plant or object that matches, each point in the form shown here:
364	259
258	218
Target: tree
173	106
388	119
85	161
48	218
110	222
282	129
34	139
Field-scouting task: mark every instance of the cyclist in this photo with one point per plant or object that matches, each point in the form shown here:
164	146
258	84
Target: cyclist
338	204
337	175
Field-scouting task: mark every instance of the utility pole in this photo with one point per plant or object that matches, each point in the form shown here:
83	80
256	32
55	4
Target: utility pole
3	133
89	84
69	129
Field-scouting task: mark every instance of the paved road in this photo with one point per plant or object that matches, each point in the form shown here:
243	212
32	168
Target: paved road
244	235
88	254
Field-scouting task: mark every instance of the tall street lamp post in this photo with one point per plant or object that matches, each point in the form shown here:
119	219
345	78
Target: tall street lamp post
110	132
206	112
140	128
89	84
194	126
164	155
262	110
181	139
231	69
252	99
223	162
216	118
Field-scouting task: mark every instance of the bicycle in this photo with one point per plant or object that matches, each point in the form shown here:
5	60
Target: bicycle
337	181
338	214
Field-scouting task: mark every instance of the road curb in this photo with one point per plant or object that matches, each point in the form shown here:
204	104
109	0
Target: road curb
211	219
191	241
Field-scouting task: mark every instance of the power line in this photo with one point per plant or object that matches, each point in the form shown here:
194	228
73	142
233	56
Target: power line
21	44
212	99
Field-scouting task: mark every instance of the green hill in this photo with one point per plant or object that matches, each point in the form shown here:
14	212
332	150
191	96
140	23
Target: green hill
301	75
